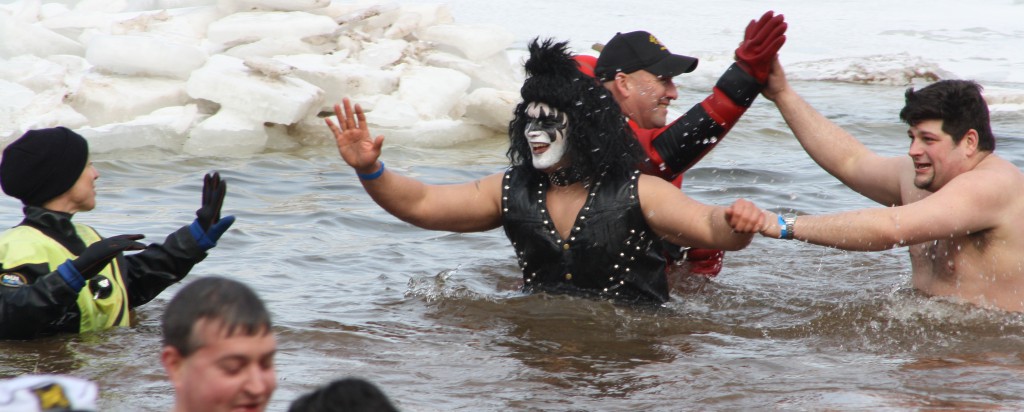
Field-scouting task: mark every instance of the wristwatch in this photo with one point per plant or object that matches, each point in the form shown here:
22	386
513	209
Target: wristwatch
790	221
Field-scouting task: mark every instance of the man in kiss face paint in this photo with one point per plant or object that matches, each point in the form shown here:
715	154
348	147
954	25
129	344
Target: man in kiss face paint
546	132
580	215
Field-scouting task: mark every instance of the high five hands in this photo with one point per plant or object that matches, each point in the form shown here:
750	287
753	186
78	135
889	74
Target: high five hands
352	135
761	43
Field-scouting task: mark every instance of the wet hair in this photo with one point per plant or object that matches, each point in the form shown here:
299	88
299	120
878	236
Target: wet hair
960	106
344	395
231	303
597	139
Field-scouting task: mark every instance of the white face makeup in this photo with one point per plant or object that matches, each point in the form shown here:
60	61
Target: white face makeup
545	130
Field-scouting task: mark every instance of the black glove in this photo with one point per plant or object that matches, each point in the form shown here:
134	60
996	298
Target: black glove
214	190
99	254
208	226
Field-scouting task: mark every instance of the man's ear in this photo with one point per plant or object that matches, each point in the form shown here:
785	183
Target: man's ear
970	142
621	81
172	361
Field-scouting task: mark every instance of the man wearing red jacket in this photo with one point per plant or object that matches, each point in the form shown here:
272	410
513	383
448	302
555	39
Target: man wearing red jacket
638	70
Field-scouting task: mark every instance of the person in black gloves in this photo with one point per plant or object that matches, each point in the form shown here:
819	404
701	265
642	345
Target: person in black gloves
58	276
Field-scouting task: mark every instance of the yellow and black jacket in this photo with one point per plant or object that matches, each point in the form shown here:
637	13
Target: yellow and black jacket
35	299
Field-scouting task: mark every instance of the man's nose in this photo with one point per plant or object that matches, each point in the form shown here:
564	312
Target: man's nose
671	91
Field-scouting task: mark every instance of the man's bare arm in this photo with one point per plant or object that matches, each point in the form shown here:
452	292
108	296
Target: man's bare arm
835	150
681	220
971	203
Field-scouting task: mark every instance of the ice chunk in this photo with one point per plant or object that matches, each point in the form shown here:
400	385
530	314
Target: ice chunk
33	72
434	92
20	38
339	80
435	133
16	99
247	27
382	52
493	72
21	110
475	42
227	133
279	138
107	99
279	5
417	16
165	128
269	67
226	81
491	107
144	56
389	112
276	46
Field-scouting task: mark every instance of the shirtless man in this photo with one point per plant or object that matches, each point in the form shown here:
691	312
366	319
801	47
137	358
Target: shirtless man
954	202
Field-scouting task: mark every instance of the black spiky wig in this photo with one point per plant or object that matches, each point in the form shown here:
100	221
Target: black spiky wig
598	138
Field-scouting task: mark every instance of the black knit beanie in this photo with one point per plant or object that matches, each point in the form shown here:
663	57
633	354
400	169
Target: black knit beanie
43	164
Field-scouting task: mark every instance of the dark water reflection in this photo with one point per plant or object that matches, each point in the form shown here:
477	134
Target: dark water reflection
436	319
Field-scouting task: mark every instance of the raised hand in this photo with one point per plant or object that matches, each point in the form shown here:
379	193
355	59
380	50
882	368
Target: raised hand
210	225
761	43
353	138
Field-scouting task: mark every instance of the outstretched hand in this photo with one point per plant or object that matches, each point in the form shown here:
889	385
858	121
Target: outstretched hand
353	138
761	43
744	217
214	190
210	224
98	255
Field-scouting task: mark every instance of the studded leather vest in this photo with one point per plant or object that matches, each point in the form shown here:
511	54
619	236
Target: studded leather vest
610	252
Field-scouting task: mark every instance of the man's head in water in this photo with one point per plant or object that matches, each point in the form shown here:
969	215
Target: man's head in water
949	126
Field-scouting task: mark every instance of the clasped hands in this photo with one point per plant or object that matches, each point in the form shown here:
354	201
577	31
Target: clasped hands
743	216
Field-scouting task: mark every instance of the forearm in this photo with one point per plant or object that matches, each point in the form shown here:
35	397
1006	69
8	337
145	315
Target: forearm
862	230
25	311
724	237
830	146
160	265
687	140
399	195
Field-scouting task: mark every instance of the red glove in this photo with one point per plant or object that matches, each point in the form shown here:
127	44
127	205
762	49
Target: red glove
705	262
761	43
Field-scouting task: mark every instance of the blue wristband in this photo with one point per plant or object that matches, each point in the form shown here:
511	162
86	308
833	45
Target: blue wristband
782	228
69	272
373	175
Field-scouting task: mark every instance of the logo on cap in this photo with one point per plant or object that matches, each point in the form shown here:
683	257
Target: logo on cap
654	40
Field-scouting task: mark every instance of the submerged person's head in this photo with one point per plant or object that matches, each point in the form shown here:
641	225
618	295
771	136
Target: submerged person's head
949	131
50	167
560	102
218	347
639	70
344	395
960	106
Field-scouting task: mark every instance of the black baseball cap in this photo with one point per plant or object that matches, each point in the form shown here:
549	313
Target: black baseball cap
640	50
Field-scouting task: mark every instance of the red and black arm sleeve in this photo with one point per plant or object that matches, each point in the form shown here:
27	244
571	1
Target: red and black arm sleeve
683	143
